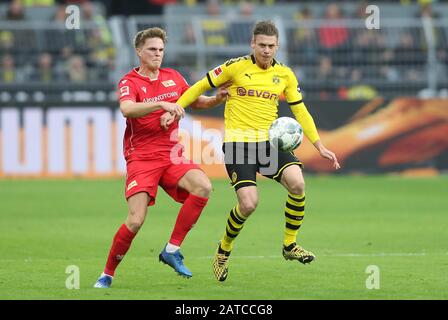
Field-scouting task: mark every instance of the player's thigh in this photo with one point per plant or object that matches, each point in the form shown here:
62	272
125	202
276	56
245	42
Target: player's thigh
196	181
241	169
138	205
137	209
144	176
174	174
292	179
280	162
247	199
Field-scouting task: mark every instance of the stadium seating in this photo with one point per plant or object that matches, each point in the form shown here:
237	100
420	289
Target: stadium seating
400	58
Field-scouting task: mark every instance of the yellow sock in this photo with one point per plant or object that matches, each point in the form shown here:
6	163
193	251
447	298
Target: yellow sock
235	223
294	212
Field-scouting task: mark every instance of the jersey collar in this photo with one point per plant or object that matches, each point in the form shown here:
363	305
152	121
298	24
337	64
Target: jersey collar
136	71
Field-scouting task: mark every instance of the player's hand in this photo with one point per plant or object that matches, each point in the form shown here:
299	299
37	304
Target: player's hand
173	108
327	154
166	120
223	92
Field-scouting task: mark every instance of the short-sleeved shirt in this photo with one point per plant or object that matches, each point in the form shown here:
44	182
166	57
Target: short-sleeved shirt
144	138
254	95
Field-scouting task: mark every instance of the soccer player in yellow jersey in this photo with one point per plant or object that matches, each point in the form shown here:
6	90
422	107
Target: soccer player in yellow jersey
258	80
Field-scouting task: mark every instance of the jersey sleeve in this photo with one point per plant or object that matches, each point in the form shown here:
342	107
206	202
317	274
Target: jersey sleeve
126	91
223	72
306	121
298	108
292	90
183	84
213	79
189	96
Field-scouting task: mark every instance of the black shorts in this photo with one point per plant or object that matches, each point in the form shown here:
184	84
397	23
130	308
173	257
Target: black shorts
244	159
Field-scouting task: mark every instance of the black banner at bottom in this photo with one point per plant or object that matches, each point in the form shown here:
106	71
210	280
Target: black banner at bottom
213	309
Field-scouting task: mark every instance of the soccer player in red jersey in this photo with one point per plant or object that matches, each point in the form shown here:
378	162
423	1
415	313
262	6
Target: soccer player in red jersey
145	94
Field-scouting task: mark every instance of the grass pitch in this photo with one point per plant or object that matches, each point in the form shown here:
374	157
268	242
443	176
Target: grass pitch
397	224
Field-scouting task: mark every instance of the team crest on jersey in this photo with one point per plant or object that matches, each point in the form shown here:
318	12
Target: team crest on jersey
276	79
234	176
217	71
168	83
132	185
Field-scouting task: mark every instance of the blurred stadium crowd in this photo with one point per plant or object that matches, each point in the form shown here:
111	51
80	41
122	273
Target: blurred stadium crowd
326	42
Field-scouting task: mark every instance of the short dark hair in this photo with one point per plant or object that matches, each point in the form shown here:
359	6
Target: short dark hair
266	28
141	36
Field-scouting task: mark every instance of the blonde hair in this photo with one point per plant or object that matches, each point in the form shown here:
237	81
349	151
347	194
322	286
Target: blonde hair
141	36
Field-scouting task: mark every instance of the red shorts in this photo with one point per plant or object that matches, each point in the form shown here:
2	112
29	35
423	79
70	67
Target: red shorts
147	175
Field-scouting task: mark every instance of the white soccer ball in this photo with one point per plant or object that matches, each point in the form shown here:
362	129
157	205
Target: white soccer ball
285	134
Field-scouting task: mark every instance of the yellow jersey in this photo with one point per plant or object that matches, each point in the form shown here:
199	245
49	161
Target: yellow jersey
253	99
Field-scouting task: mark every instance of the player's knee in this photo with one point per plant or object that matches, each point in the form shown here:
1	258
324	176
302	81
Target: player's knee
134	226
135	221
297	187
248	206
203	188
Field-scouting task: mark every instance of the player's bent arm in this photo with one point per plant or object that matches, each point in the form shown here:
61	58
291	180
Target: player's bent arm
131	109
193	93
205	102
319	145
306	121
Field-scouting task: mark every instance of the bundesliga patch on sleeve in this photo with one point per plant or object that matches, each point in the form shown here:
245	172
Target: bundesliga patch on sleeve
217	71
124	91
298	89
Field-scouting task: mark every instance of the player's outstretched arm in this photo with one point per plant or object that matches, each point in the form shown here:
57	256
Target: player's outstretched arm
327	154
201	102
309	128
306	121
131	109
205	102
193	93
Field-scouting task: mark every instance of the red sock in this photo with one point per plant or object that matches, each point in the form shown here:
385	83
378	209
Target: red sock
187	217
120	245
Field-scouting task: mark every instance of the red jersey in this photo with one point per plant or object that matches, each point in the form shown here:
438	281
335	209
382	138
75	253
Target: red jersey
144	137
